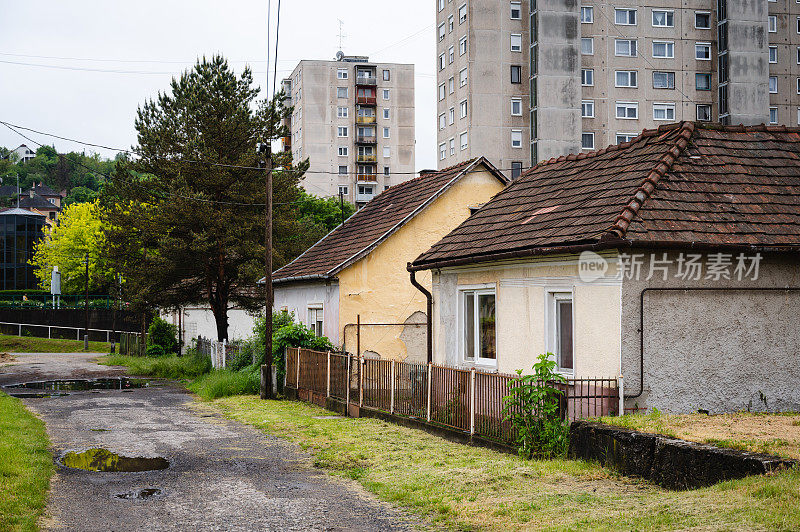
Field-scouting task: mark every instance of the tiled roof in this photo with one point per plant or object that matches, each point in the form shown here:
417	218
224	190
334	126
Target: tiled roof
688	183
44	190
8	190
36	202
373	223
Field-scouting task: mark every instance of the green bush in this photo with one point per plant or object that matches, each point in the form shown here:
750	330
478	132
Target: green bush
163	334
155	351
533	409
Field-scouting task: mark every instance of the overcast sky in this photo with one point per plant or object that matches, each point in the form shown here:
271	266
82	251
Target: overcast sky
145	42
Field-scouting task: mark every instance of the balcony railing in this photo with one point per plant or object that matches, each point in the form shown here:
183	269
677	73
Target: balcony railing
367	81
367	158
368	178
361	139
365	119
366	100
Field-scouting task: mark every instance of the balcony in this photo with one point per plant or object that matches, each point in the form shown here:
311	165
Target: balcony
362	139
366	100
367	178
365	119
364	81
367	158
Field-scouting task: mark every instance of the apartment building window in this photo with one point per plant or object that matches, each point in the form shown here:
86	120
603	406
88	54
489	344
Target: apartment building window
702	20
663	18
441	62
462	109
342	131
451	116
798	85
441	31
702	51
442	121
462	45
663	80
516	74
451	85
387	75
343	190
625	17
628	110
441	5
516	10
386	132
773	23
386	94
450	24
625	78
798	55
773	54
663	49
342	112
663	111
462	77
625	47
516	42
442	151
451	55
773	84
516	106
798	116
342	151
341	73
452	146
704	112
441	92
625	137
702	82
516	138
341	92
462	14
773	115
587	77
343	169
587	14
386	113
587	109
798	23
587	46
463	141
587	141
386	171
387	152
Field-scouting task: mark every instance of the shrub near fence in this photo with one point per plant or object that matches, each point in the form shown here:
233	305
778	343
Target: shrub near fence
469	401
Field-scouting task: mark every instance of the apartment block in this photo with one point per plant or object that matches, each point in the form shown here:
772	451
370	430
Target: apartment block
590	74
354	121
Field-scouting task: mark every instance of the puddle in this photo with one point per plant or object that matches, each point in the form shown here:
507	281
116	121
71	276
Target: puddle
57	388
104	460
141	495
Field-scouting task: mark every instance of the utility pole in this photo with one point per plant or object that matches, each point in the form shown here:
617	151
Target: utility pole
341	204
86	306
266	368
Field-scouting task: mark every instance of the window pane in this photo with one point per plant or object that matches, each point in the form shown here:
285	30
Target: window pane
469	325
565	334
486	315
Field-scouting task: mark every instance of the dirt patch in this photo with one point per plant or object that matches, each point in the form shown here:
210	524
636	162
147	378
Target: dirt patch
6	358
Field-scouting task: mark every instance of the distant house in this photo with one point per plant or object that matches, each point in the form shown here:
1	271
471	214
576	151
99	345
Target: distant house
47	193
359	268
40	205
672	259
23	154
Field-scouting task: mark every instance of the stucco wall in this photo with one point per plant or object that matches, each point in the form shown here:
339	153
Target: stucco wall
521	298
199	321
297	297
717	351
377	287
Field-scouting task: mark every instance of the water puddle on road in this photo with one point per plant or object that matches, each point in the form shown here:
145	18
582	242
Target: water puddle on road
61	387
141	495
103	460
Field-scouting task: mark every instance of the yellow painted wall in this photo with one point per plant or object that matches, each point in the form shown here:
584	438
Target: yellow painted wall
378	288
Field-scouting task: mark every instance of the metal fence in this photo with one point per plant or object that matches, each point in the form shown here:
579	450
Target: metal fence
221	353
467	400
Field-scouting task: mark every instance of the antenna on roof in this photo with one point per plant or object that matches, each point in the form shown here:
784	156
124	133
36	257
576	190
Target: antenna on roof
341	34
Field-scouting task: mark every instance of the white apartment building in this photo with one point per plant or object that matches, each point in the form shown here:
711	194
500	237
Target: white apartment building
354	121
529	80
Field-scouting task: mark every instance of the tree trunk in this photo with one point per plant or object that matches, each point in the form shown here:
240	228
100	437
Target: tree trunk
219	306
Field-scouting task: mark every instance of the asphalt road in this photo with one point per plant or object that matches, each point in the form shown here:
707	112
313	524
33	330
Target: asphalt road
222	475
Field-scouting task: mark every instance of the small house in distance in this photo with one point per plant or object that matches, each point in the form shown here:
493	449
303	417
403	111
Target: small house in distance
359	268
672	260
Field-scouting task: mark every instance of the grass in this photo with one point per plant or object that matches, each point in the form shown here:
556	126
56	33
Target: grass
167	367
224	383
29	344
469	488
25	466
777	434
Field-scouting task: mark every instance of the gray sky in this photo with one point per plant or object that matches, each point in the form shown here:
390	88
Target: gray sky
146	42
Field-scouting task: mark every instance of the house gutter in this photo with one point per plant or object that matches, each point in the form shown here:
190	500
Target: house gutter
429	298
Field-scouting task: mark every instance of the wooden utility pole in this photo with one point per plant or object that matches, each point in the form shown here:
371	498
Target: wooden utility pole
86	307
266	368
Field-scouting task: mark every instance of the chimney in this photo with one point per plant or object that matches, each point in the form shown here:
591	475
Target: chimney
31	193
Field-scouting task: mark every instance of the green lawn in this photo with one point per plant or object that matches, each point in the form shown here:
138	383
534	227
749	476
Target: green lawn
29	344
469	488
25	466
166	367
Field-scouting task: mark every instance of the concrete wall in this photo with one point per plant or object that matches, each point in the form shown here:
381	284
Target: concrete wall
298	297
522	289
377	287
718	351
748	93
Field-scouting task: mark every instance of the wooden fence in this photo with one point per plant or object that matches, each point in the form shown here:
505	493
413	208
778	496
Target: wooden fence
467	400
131	344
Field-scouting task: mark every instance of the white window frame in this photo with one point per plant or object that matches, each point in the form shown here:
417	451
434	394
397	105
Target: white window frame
667	13
386	133
518	103
518	7
589	40
668	45
452	146
665	106
552	299
341	73
626	105
628	137
463	141
773	54
342	112
462	77
340	130
462	13
386	95
344	190
667	73
451	85
772	82
441	31
589	134
702	13
442	61
772	24
516	133
587	14
442	151
318	312
587	108
339	92
587	72
442	121
451	55
631	74
516	42
387	152
773	110
462	109
633	48
627	12
386	113
451	116
462	45
450	24
697	112
702	46
343	151
476	291
343	167
442	93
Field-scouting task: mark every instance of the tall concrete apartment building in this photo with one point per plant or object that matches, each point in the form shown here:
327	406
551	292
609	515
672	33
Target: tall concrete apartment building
354	121
523	81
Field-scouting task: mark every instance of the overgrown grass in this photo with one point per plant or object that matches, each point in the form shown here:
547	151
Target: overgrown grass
167	367
25	466
470	488
224	383
29	344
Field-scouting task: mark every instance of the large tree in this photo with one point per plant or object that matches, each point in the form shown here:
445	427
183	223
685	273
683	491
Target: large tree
186	216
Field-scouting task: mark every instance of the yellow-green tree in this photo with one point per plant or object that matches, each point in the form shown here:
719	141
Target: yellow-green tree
66	245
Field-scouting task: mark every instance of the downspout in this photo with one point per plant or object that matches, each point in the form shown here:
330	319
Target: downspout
429	297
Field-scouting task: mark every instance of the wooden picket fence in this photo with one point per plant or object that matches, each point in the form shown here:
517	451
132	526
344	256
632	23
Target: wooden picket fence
131	344
468	400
